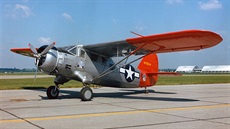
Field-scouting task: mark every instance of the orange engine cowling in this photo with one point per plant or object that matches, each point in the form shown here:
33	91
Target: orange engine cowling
148	68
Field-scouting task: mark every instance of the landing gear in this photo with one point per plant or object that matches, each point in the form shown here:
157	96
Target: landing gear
86	94
52	92
146	90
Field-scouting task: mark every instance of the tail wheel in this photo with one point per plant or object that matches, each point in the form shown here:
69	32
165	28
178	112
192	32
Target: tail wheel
86	94
52	92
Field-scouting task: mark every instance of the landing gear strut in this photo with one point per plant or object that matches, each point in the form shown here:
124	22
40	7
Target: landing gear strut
86	94
146	90
52	92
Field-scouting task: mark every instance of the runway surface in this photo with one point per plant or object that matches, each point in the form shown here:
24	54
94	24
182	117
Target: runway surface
165	107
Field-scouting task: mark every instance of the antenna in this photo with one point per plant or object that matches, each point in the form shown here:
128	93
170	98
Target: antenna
137	34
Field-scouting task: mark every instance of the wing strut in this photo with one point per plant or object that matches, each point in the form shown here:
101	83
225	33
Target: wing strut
106	71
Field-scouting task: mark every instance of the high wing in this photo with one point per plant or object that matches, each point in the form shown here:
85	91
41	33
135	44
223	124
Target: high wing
159	43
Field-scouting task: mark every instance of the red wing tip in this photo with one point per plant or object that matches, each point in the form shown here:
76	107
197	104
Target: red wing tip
20	49
14	49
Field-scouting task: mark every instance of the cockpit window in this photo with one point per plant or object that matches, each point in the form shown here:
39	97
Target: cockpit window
73	50
82	54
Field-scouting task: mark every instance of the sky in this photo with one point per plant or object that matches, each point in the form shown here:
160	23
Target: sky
69	22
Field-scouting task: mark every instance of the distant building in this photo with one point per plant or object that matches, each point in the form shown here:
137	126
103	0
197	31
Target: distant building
188	69
216	69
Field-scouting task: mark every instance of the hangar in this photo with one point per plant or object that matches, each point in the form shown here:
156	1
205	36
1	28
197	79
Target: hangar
188	69
216	69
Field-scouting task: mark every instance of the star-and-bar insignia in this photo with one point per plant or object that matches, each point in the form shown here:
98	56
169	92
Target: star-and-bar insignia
130	73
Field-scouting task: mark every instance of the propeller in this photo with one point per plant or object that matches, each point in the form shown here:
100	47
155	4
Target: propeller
38	56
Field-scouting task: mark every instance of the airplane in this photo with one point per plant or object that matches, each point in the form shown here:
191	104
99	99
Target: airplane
108	64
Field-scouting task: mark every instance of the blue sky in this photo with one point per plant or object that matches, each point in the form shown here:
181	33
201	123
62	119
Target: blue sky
71	22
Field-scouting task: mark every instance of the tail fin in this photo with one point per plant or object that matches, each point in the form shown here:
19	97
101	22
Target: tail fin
147	66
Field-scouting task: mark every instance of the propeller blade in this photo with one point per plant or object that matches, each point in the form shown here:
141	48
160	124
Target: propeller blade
35	75
32	48
47	48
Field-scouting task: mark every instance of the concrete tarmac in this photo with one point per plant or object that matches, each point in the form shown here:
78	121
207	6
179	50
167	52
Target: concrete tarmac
165	107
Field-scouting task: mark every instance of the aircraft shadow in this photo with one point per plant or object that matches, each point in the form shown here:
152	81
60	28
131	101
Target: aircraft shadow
150	91
33	87
123	94
128	94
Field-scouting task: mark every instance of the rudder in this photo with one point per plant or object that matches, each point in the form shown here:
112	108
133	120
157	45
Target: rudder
149	64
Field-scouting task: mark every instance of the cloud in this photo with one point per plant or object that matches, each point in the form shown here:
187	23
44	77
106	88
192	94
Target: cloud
174	1
44	41
22	10
139	27
67	16
210	5
17	11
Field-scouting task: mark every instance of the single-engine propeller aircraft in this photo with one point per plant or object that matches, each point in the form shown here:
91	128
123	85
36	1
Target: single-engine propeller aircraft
98	63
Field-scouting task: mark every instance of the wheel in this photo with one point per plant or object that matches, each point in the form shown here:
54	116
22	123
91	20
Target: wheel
52	92
86	94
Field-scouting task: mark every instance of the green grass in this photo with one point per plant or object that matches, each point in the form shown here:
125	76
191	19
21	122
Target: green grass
22	73
162	80
194	79
40	83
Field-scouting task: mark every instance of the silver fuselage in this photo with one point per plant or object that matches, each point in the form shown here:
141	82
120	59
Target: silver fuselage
79	64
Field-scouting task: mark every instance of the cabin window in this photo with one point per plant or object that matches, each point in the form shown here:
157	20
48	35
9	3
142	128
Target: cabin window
103	60
93	57
110	65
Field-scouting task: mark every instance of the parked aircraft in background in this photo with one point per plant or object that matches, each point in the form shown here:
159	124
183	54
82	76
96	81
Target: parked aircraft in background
98	64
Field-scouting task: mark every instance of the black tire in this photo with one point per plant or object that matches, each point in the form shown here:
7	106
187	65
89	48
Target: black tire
52	92
86	94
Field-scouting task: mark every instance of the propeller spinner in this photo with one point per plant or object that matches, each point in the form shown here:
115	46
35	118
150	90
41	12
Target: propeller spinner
38	55
45	60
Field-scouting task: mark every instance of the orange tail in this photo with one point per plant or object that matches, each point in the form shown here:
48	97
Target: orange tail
147	66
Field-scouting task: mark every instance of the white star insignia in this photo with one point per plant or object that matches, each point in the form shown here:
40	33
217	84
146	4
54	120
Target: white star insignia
130	73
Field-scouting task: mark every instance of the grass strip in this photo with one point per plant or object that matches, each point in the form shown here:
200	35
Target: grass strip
40	83
183	80
29	83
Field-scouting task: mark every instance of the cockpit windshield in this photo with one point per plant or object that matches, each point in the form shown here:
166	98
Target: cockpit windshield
69	49
73	50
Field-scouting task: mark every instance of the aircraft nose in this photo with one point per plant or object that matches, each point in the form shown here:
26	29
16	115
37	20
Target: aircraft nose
49	62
